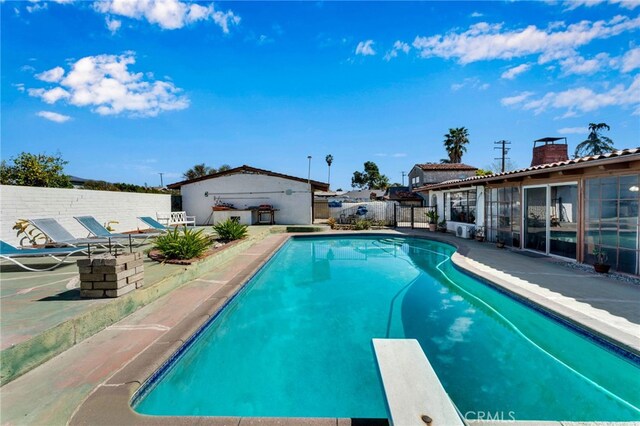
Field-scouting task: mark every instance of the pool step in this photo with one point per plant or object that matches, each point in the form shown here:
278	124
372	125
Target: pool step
414	392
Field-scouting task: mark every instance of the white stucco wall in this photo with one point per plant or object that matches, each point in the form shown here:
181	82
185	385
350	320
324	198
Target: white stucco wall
23	202
243	190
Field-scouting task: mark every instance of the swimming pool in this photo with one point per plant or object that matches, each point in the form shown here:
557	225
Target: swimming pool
296	342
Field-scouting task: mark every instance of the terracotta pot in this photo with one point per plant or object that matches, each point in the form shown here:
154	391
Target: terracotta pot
480	239
432	227
500	245
601	268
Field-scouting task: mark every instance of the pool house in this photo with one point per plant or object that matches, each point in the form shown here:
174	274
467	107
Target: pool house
563	208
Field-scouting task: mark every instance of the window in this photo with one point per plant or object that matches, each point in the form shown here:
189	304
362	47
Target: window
461	206
502	209
611	221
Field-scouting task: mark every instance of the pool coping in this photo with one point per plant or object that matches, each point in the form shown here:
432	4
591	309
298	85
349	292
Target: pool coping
110	402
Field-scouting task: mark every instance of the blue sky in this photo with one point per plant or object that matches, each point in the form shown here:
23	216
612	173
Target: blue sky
125	90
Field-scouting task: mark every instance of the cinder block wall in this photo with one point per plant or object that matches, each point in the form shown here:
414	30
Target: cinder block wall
23	202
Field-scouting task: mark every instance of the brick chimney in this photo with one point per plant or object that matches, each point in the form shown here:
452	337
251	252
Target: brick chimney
546	151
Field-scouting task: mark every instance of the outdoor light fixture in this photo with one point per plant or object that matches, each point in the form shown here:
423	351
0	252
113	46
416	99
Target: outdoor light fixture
634	188
206	194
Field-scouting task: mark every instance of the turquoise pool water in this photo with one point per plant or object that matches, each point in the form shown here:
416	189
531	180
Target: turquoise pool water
297	342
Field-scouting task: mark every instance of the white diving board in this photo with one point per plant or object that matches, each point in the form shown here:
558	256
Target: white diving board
412	388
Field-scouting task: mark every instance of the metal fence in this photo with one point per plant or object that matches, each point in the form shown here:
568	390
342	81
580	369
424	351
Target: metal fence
387	213
412	217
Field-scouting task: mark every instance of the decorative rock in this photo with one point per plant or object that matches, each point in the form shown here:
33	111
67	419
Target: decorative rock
110	276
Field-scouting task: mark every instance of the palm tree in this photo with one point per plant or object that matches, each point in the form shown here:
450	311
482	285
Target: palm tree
454	143
595	144
329	160
197	171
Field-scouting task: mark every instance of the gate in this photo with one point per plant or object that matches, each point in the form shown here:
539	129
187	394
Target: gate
412	217
321	209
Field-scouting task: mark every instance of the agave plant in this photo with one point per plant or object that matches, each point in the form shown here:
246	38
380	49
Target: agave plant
230	230
188	244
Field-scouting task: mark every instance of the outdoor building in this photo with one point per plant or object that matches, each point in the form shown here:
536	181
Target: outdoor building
430	173
566	208
250	195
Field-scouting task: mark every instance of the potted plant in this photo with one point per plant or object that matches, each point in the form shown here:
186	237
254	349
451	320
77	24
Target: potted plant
433	217
442	226
480	233
601	266
500	243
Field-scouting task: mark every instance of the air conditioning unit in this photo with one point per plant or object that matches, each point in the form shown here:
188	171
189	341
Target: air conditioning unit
464	231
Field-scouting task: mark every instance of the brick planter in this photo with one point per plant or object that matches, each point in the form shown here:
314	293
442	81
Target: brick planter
109	276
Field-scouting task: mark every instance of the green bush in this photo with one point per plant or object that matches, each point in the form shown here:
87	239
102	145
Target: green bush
177	244
230	230
362	224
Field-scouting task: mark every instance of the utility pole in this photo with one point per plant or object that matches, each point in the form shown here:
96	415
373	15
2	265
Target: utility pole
504	150
161	183
403	175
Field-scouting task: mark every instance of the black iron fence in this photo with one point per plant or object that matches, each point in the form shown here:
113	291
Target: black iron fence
384	213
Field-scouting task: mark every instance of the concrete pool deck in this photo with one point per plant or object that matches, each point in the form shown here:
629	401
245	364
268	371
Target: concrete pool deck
92	382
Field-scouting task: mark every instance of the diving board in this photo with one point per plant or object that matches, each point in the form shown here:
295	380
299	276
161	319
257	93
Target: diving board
411	386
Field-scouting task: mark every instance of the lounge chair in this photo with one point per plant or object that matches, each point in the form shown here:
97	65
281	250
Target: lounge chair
10	253
154	224
59	235
94	227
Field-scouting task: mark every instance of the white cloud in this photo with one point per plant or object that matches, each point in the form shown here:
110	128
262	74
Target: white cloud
472	82
512	73
484	41
631	60
365	48
113	24
477	15
53	116
53	75
105	84
36	6
573	130
168	14
578	65
574	4
398	46
513	100
19	87
581	99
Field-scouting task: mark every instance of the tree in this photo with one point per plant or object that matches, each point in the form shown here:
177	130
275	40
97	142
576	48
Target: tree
224	168
329	160
198	170
496	166
596	143
370	178
454	143
483	172
35	170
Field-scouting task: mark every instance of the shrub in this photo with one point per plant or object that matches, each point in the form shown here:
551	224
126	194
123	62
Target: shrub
176	244
230	230
332	222
362	224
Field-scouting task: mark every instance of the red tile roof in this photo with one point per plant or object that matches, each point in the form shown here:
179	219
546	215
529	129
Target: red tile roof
445	166
567	164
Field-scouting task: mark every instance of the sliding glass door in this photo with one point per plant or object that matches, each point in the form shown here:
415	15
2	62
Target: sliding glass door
535	219
551	219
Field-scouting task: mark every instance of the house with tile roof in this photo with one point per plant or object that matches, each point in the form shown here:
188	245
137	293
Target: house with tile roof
567	208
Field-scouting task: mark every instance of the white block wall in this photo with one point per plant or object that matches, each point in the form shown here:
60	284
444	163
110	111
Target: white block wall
23	202
290	197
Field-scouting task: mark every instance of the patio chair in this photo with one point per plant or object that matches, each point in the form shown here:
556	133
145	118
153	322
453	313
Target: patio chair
10	253
59	235
154	224
94	227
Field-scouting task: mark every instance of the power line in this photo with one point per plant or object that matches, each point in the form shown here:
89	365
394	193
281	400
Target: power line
504	150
